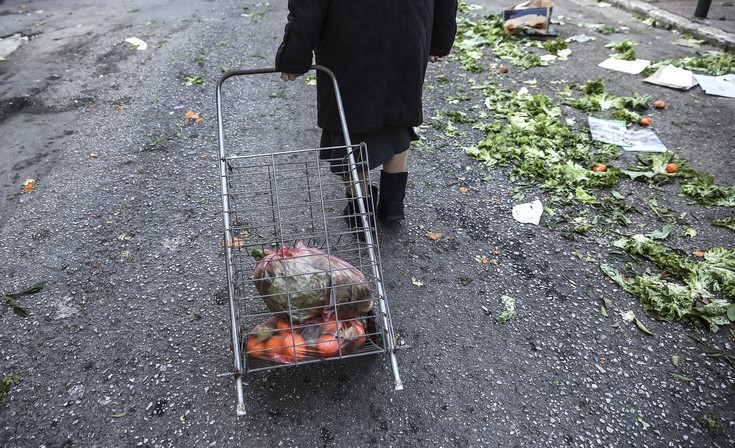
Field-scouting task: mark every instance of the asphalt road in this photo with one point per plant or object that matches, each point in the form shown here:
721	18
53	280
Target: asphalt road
127	344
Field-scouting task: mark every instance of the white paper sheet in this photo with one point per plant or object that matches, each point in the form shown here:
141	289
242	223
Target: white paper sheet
620	65
717	85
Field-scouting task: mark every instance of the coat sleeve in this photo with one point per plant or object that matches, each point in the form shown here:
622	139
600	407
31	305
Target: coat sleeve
301	34
444	27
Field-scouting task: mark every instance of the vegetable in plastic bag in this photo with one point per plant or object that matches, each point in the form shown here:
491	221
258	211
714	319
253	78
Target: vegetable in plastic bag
305	282
318	338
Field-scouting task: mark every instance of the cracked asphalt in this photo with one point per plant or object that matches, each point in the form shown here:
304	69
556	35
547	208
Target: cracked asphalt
127	344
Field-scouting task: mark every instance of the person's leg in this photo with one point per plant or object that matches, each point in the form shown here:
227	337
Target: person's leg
352	209
397	163
393	180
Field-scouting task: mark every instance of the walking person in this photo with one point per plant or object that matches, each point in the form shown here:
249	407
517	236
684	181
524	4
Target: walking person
379	51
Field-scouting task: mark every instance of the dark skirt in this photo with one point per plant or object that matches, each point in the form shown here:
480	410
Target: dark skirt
381	146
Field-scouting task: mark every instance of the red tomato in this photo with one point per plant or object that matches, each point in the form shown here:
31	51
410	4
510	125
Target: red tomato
327	346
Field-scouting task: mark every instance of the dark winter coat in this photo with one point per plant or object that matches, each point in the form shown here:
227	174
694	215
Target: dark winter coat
378	50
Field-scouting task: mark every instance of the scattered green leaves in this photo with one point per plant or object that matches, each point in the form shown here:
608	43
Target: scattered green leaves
702	188
5	385
710	423
10	301
625	49
728	223
713	352
509	310
695	290
473	36
680	377
191	80
715	63
600	28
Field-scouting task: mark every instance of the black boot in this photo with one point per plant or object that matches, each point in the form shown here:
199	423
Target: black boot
352	211
393	188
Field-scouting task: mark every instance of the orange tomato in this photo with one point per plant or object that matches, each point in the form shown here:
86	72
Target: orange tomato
327	346
294	347
355	333
255	348
274	345
645	121
329	327
672	168
283	327
600	167
659	104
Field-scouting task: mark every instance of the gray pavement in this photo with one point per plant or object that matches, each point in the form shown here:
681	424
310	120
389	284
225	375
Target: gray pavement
717	28
128	342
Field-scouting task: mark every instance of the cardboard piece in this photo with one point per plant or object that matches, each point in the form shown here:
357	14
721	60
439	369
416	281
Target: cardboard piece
674	77
532	14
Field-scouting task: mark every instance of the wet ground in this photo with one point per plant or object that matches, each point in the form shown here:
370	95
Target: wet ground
127	344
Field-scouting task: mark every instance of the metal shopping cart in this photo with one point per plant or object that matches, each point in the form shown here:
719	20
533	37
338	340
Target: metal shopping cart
276	204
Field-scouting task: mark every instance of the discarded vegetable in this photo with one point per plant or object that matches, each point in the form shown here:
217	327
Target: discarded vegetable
307	283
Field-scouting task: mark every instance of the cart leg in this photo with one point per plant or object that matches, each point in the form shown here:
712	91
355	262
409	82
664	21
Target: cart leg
394	366
390	340
240	397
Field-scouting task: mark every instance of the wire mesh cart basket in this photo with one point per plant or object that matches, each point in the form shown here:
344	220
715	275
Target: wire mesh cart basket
304	285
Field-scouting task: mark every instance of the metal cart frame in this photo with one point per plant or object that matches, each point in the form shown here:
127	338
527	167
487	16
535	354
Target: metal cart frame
380	309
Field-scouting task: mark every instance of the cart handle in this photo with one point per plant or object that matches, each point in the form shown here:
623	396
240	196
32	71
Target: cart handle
259	71
340	109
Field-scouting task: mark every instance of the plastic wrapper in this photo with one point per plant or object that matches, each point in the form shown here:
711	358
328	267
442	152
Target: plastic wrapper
307	283
277	341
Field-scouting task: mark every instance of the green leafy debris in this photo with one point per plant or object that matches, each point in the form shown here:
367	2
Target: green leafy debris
191	80
486	32
537	143
10	301
6	384
701	187
625	49
696	290
652	168
710	423
728	223
600	28
715	63
680	377
509	310
553	46
713	352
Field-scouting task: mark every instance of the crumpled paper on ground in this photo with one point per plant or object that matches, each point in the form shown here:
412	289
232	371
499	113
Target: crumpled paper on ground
528	213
